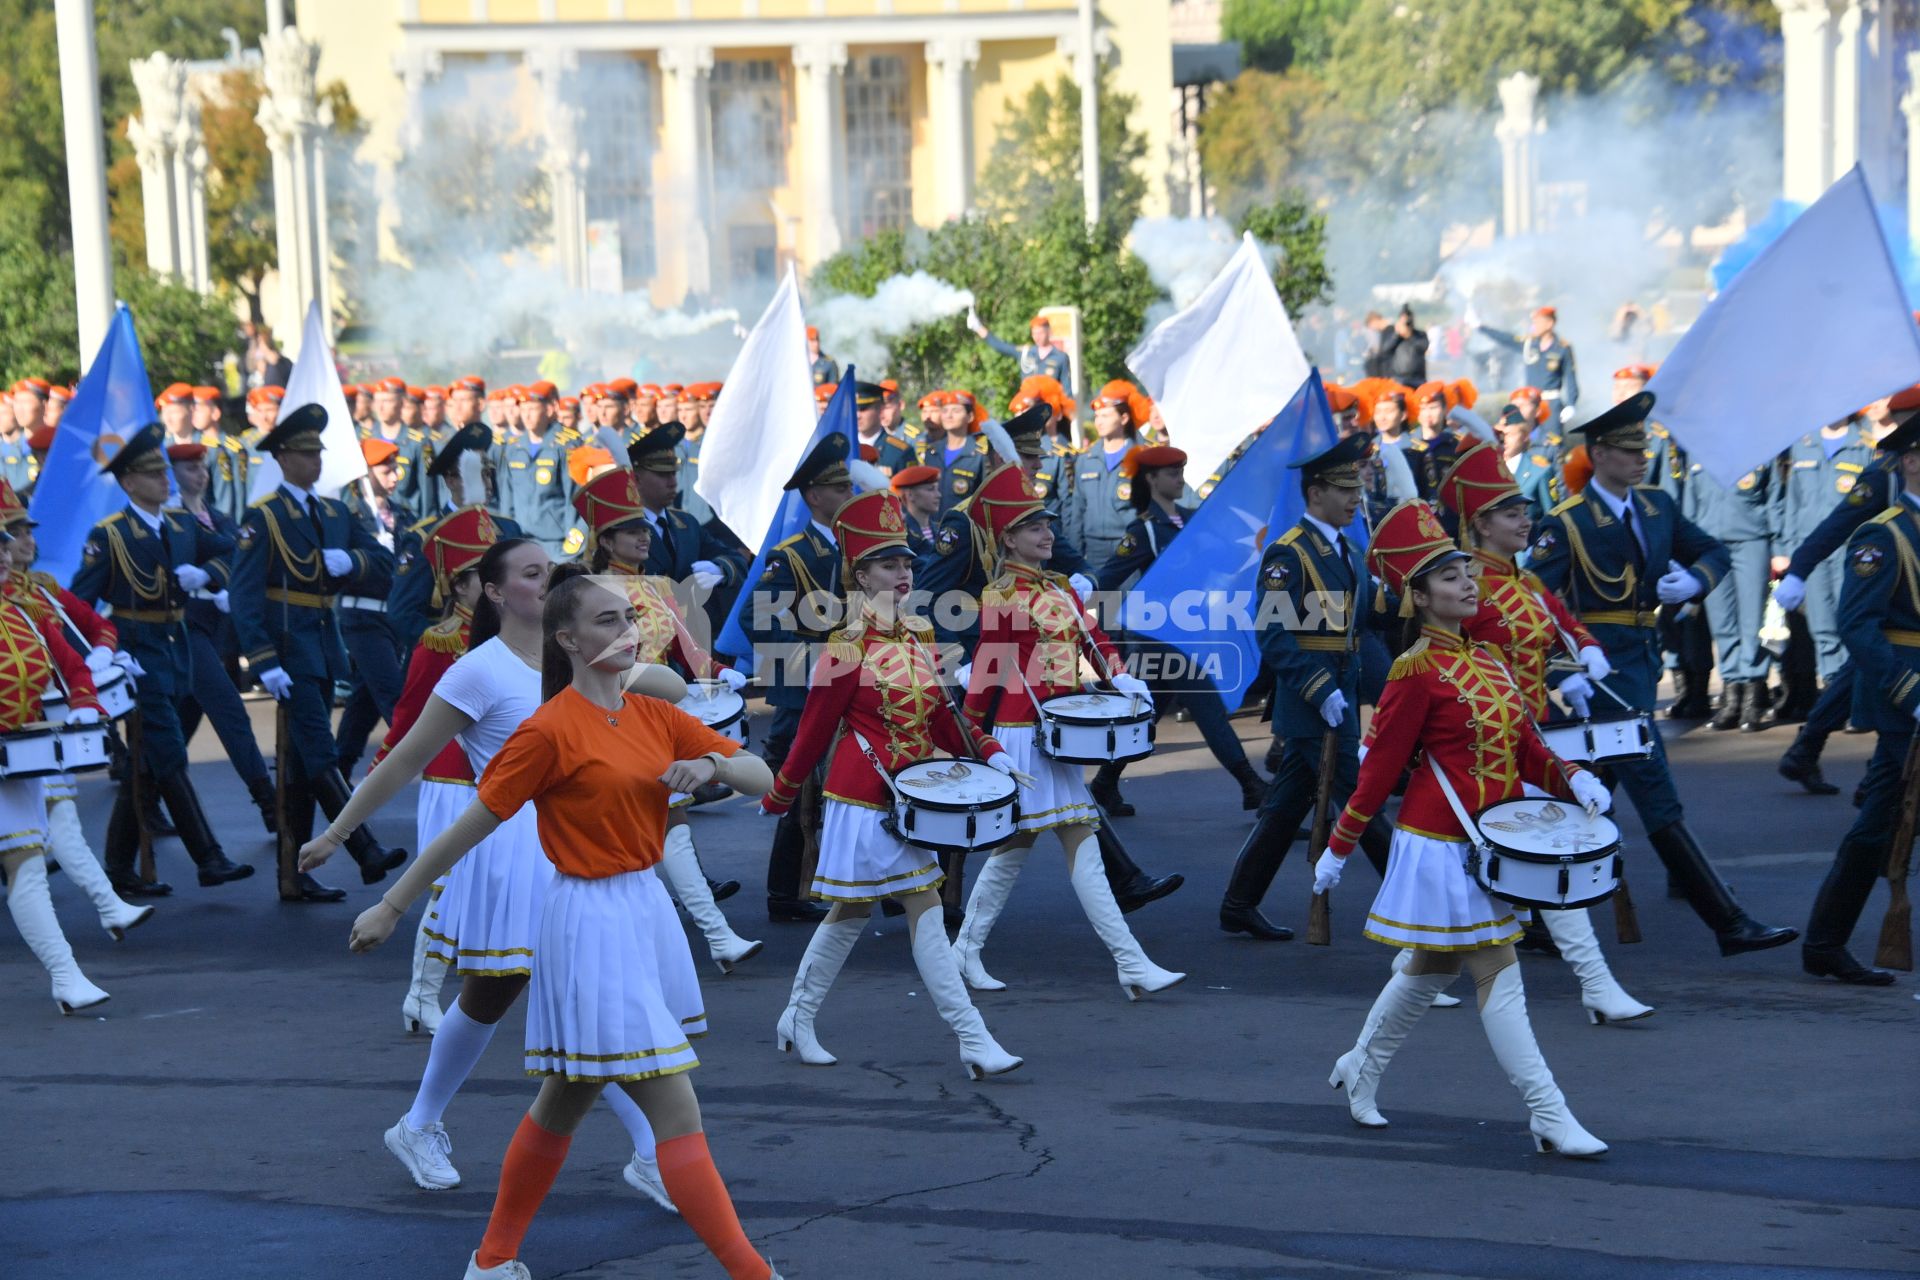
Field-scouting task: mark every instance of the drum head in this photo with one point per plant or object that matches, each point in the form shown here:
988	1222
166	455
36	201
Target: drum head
1548	828
713	704
954	784
1095	708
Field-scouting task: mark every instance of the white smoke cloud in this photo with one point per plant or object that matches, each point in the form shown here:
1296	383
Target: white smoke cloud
1183	255
860	331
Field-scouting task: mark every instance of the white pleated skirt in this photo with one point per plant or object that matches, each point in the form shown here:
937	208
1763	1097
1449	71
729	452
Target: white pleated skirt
490	909
1428	901
61	787
434	809
23	814
1058	797
861	861
614	996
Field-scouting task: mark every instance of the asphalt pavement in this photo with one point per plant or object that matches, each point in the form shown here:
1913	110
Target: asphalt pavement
222	1117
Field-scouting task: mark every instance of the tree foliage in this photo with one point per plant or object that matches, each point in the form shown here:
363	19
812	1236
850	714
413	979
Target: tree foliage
1033	170
1300	231
1277	34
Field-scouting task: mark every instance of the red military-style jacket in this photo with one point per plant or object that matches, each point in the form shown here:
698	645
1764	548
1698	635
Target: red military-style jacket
441	645
30	654
1522	620
1033	631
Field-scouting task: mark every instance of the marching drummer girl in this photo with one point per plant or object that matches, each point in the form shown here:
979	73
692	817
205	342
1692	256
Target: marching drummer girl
1033	633
490	909
877	701
1453	712
615	998
1524	623
32	655
618	539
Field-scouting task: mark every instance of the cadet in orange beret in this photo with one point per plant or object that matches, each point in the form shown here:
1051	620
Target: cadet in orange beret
820	365
58	398
1099	506
16	453
1039	356
919	489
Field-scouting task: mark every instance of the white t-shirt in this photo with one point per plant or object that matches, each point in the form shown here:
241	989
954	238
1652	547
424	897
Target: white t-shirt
496	690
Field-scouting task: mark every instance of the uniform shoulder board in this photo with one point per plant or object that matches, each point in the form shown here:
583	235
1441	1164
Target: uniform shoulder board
1415	660
444	636
1886	517
794	541
114	518
1569	504
1292	536
1539	460
1000	590
423	525
843	645
918	625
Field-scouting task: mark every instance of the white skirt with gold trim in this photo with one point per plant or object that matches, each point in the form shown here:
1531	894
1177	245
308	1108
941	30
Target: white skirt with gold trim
1058	796
861	861
615	996
23	814
490	909
1430	903
435	807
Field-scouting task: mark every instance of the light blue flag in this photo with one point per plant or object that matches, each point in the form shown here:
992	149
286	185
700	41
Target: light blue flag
1815	326
112	402
1200	595
791	518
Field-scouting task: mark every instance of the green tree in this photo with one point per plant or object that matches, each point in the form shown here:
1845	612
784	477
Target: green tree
1300	231
1277	34
1034	167
183	334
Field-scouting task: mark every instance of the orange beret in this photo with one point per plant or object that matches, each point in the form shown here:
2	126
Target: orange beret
813	333
62	394
1548	312
651	390
350	389
909	477
436	393
417	394
178	393
542	390
582	463
186	452
206	395
1019	405
471	382
376	451
625	386
392	386
824	392
1150	458
1430	391
569	402
1905	400
1340	399
1037	321
890	385
674	387
1463	392
516	393
1636	372
38	386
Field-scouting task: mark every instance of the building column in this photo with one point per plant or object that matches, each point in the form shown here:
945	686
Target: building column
161	82
563	160
821	106
1862	91
417	68
950	64
1519	167
290	117
202	273
1806	30
680	216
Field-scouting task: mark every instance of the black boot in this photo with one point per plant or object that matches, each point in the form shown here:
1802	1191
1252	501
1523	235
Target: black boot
123	849
300	830
264	799
1535	938
784	903
1689	696
720	889
1253	787
184	804
330	789
1132	887
1753	711
1261	854
1106	791
1801	763
1709	896
1733	703
1838	962
157	824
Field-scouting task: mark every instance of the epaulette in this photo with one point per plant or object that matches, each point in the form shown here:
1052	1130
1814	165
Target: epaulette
1415	660
1539	460
446	636
843	645
259	503
1886	517
1569	504
1292	535
118	515
423	525
917	624
1000	590
784	543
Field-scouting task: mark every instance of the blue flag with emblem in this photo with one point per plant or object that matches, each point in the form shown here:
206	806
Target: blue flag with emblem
71	496
790	519
1200	596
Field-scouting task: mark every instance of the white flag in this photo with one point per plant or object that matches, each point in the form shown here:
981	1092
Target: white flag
762	421
315	380
1809	331
1225	365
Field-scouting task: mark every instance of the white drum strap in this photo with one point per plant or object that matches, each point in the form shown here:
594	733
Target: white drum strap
873	758
1472	831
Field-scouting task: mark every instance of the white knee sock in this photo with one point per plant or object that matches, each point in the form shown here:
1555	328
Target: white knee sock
457	1047
631	1116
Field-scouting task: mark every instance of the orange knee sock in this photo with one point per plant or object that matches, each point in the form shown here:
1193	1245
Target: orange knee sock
687	1168
533	1161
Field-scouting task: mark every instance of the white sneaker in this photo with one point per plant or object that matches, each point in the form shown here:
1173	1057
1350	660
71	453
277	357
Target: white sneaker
427	1153
643	1175
511	1269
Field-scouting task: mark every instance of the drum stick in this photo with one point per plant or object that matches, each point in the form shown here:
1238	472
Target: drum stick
1896	931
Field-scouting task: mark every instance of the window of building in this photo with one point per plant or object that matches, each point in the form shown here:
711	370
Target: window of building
879	144
615	95
748	99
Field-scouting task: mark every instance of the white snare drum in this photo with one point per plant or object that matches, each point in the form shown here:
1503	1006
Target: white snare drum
46	751
1547	853
113	687
954	804
1095	728
1602	741
717	707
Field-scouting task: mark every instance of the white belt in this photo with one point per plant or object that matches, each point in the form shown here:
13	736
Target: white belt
369	603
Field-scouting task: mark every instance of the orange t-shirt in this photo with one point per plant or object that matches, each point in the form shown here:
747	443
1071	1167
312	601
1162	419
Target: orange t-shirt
593	776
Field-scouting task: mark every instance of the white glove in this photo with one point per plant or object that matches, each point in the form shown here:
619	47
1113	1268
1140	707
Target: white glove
1590	792
125	661
1334	709
99	658
732	679
191	577
1326	872
1000	761
973	322
1362	759
706	574
222	602
964	676
1678	586
1916	713
277	682
1791	593
84	715
1577	689
1132	685
1594	659
1082	586
339	563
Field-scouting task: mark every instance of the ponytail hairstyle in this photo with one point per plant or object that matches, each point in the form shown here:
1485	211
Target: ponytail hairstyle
1140	496
564	589
493	571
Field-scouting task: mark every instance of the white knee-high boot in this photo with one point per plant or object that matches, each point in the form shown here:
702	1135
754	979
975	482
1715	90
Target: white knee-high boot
67	844
32	909
1603	997
689	884
420	1011
832	943
1138	975
1441	1000
1504	1016
1401	1003
940	973
991	888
